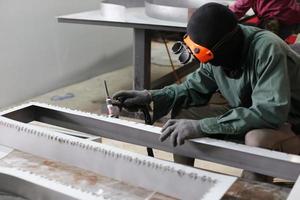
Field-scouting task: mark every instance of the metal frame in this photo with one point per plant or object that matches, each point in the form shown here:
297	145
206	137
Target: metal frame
162	176
258	160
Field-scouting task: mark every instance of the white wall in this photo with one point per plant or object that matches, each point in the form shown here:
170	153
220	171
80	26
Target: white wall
38	54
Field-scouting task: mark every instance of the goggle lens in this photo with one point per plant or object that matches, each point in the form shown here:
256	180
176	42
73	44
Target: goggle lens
183	50
185	57
177	47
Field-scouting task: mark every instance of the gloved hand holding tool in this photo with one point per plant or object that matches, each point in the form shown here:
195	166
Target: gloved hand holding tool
133	101
180	130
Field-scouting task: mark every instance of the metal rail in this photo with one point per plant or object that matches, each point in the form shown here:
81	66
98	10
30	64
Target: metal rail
254	159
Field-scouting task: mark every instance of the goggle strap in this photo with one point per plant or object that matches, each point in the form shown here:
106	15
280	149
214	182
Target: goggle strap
225	38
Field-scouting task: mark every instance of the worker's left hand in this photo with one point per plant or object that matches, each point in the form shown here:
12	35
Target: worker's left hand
180	130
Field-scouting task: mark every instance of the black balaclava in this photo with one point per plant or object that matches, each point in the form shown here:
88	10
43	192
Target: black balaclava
208	25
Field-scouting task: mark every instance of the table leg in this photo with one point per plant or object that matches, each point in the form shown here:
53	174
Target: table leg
142	64
142	59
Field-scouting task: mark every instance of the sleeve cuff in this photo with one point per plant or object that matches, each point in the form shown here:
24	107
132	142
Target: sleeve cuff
162	103
211	126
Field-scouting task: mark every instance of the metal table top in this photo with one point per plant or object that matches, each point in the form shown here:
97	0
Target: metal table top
133	18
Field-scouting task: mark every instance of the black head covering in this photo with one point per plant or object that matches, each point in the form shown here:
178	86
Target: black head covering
208	25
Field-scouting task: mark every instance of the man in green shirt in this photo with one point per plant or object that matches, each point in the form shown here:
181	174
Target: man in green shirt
257	73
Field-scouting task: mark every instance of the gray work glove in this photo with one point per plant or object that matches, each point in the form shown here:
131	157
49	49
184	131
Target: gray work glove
132	100
180	130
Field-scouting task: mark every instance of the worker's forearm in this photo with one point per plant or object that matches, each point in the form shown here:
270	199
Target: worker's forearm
241	120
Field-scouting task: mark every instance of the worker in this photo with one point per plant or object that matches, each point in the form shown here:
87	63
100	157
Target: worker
257	73
281	17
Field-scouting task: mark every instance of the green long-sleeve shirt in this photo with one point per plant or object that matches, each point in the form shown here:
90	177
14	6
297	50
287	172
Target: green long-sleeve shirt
266	95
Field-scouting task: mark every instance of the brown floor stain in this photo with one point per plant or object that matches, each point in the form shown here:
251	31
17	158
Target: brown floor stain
90	179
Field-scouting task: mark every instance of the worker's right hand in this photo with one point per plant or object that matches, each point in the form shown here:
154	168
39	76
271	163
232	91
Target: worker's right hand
132	100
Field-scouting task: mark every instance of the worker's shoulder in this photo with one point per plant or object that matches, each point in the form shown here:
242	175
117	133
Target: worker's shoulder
260	40
204	69
268	39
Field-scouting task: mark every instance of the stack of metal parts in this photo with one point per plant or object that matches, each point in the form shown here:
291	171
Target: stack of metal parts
40	168
171	10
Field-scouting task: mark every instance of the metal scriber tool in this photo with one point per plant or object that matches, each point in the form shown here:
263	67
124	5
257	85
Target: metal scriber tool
113	111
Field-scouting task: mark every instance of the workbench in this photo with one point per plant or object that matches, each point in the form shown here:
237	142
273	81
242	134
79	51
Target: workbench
145	17
142	26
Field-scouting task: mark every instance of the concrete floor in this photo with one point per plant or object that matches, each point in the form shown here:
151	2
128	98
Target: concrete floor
89	96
